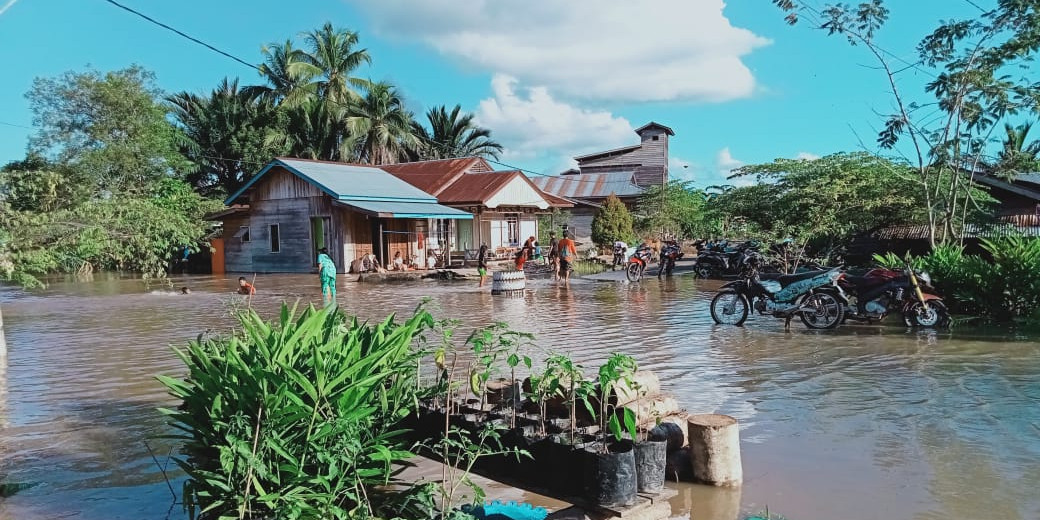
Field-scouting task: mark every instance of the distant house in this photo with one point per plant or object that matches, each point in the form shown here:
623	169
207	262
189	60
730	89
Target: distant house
292	208
625	172
505	204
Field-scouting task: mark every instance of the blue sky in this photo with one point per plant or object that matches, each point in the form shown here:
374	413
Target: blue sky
551	79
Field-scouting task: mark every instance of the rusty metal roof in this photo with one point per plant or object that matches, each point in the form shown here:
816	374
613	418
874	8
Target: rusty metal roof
590	185
1017	225
476	188
434	177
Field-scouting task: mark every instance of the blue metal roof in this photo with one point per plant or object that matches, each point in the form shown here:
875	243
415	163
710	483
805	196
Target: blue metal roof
406	209
345	181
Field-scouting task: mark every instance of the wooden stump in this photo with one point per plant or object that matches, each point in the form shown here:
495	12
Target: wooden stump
715	449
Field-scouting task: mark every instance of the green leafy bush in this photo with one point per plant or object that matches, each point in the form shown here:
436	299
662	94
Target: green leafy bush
1001	289
295	420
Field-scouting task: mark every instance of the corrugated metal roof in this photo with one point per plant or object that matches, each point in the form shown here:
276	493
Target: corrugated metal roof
345	181
406	209
614	151
476	187
1001	230
590	185
434	177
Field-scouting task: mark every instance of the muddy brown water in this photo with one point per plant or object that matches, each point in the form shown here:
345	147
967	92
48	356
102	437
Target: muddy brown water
857	423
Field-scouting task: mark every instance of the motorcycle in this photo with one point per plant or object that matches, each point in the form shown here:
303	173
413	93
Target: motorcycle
669	254
637	264
879	292
812	296
714	263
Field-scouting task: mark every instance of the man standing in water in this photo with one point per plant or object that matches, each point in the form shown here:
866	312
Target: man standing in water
482	263
567	253
327	273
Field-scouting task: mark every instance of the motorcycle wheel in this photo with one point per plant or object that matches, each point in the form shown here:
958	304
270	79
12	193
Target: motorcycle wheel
935	316
704	270
634	272
829	312
729	307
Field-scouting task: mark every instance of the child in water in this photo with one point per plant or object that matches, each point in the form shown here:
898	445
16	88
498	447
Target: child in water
245	287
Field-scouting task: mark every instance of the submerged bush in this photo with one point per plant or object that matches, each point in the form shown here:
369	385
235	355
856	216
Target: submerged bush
1004	288
295	420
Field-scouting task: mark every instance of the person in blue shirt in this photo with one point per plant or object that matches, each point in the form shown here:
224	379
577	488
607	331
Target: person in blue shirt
327	273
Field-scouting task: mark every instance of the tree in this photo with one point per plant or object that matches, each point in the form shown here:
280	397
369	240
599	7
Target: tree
332	58
836	196
453	134
380	127
226	136
1016	156
675	208
109	127
313	130
287	75
982	76
612	222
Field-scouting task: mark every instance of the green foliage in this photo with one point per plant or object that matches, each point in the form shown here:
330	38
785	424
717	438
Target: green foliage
552	222
380	126
136	233
973	62
619	368
295	420
1004	288
111	128
675	209
612	222
227	136
833	196
453	134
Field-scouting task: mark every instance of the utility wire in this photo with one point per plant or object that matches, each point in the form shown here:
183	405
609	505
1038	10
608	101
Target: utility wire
16	126
252	66
196	40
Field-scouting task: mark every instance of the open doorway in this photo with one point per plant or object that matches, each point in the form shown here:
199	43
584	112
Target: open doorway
321	236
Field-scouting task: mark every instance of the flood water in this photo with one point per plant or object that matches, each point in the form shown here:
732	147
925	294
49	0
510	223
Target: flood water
857	423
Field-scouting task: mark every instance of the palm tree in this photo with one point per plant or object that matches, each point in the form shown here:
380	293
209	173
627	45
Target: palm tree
454	134
313	130
333	55
224	136
1017	156
380	127
288	74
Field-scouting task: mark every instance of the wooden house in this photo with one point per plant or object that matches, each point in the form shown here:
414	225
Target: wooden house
625	172
292	208
505	204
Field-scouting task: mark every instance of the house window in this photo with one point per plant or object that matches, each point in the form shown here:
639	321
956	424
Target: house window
513	229
276	244
243	233
655	137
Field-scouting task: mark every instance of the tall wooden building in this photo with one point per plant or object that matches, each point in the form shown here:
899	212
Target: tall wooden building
625	172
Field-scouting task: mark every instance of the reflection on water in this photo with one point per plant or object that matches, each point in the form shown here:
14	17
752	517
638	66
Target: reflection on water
857	423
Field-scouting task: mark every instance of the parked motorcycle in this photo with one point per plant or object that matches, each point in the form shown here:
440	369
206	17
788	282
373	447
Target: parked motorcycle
670	253
880	292
638	262
713	263
812	296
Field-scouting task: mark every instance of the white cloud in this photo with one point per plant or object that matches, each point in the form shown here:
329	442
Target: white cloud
679	168
806	156
530	123
725	164
619	50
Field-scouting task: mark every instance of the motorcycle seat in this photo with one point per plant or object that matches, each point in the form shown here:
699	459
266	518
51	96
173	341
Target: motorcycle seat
789	279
